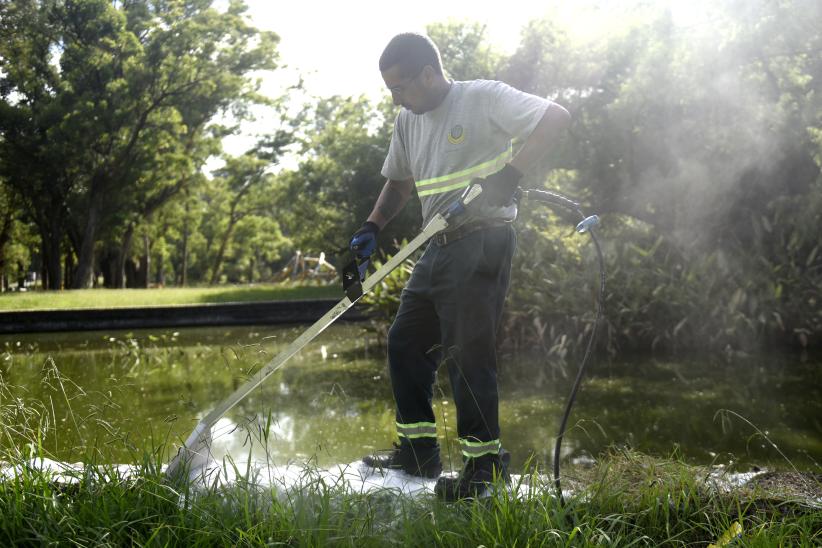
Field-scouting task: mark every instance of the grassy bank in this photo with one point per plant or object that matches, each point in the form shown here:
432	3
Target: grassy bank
625	500
115	298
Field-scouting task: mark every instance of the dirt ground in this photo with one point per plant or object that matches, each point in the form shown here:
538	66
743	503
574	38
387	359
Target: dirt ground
802	486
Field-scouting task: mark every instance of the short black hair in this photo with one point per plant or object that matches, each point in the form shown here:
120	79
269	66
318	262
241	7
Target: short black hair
411	51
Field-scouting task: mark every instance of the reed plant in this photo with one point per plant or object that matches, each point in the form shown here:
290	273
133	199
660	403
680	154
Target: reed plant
667	291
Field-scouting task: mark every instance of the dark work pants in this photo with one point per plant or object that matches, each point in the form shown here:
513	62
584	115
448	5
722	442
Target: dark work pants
449	313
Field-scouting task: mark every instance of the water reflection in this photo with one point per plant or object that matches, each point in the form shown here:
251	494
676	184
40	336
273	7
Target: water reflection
114	394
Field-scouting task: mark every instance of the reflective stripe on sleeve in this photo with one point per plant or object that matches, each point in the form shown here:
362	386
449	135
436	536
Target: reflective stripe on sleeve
473	449
417	430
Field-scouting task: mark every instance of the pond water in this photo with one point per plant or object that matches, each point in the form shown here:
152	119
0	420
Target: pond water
110	396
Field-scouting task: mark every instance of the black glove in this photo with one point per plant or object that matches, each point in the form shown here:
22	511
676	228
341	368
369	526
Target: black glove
364	241
499	188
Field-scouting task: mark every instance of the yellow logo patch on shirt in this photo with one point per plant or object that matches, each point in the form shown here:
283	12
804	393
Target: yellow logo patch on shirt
456	135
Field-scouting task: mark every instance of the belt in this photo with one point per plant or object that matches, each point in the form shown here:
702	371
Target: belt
451	236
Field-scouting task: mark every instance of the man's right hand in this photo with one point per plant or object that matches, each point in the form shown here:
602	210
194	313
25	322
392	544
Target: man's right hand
364	241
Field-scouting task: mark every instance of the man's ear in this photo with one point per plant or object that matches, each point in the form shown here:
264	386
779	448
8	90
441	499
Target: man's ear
428	74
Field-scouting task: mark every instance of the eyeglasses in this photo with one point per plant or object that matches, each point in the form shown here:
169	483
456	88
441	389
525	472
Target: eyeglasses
399	88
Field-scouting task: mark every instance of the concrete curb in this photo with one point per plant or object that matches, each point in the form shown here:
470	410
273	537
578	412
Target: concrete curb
246	313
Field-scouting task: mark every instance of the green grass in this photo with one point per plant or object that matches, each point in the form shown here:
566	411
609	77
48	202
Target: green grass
115	298
626	499
630	500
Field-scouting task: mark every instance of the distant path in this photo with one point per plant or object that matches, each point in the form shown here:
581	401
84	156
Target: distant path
245	313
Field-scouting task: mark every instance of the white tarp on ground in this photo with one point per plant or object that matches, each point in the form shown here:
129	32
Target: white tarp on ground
349	478
66	472
352	478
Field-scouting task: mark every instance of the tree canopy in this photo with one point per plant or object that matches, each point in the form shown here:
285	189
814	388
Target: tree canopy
108	109
700	146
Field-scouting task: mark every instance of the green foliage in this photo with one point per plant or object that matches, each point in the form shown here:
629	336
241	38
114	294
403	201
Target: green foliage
240	207
333	190
555	280
699	148
106	110
17	238
465	52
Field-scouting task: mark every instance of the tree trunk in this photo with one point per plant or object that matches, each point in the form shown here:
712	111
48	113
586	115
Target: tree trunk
132	273
218	260
108	265
125	248
85	262
5	236
233	219
21	275
52	267
146	261
68	268
161	271
184	265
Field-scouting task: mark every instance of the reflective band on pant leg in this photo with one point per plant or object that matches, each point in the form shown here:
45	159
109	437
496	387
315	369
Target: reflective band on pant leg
417	430
474	449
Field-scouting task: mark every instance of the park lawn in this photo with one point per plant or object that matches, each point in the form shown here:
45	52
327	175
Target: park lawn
119	298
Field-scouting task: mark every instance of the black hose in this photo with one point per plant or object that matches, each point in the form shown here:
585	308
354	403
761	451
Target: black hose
572	397
558	199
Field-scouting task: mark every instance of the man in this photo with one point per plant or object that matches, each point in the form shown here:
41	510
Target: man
449	135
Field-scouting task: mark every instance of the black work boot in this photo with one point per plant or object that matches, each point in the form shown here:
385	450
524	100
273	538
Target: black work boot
477	476
422	461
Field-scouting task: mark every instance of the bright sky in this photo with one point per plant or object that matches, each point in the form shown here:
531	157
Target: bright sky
335	45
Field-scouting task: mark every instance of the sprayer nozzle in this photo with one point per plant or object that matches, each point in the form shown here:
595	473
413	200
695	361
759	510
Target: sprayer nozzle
587	224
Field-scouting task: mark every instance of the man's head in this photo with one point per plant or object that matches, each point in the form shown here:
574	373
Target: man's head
412	71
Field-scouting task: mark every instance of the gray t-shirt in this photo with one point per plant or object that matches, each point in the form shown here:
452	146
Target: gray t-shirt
471	134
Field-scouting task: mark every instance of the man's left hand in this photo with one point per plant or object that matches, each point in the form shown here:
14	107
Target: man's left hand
499	187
